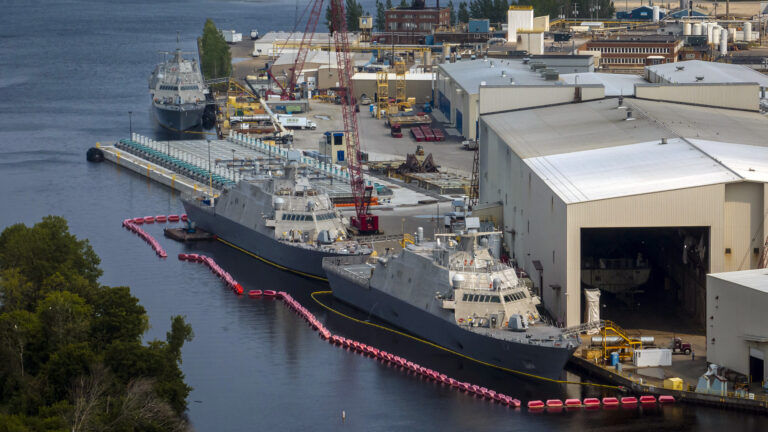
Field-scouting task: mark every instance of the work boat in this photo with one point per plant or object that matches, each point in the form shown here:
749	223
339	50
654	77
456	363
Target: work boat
455	293
282	220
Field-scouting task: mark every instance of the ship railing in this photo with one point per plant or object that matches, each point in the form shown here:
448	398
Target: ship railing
584	327
472	269
337	265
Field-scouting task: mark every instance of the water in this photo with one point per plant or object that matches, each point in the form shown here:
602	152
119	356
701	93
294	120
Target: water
69	73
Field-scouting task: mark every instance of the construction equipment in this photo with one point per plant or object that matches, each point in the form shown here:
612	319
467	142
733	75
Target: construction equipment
400	95
625	346
287	92
363	221
382	92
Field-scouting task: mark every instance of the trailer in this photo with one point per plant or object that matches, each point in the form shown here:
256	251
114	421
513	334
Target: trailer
408	120
231	36
296	122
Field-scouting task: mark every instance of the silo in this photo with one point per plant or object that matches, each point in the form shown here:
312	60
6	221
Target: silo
716	34
697	29
710	30
687	29
747	31
656	13
723	42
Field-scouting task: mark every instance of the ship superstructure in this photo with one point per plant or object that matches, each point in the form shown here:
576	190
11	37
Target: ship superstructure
178	92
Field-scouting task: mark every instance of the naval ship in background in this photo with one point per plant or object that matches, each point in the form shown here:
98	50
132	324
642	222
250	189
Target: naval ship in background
178	93
455	293
283	220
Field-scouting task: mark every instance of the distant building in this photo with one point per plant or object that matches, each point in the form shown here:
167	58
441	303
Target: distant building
683	13
410	25
635	52
640	14
737	331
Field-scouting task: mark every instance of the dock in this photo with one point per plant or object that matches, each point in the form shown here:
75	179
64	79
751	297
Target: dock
182	235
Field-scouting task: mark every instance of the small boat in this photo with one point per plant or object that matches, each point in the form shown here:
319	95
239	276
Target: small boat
535	404
610	401
647	399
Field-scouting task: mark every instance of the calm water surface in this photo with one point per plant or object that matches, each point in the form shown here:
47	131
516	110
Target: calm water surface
69	73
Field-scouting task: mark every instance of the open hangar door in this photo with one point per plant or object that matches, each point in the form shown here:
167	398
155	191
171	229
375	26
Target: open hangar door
651	278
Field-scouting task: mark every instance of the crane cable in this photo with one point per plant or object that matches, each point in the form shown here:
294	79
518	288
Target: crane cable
526	374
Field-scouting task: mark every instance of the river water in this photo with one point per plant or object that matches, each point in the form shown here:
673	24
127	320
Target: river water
70	70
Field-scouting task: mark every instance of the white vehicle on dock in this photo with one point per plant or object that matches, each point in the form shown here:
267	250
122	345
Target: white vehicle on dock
296	122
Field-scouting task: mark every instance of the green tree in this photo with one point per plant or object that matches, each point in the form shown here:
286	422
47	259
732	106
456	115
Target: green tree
380	16
453	13
463	15
354	11
388	4
118	316
403	4
214	52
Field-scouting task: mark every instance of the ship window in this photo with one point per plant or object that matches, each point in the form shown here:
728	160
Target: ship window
495	299
285	216
486	298
465	297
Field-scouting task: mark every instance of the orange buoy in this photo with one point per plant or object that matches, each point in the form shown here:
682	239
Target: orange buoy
535	404
239	289
149	219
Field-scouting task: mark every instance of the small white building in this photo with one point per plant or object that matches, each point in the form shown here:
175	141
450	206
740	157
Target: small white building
737	327
518	18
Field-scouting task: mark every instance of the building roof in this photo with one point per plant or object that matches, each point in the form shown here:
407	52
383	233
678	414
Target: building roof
470	73
755	279
418	76
591	152
319	58
711	71
628	170
655	38
615	84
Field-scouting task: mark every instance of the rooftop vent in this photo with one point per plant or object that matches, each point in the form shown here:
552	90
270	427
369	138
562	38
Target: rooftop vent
700	78
511	80
680	68
491	65
663	141
629	115
503	73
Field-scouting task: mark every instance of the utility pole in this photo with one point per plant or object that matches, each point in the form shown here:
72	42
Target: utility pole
210	174
130	125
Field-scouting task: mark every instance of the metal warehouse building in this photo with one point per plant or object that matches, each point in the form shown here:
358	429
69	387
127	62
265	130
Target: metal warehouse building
671	186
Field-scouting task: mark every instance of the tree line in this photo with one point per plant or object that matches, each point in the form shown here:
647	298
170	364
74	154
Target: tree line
70	349
215	58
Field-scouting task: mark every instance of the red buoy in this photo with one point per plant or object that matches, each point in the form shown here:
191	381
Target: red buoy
160	218
572	403
647	399
554	403
138	220
173	218
254	293
629	400
270	293
535	404
184	217
665	399
239	289
610	401
149	219
591	402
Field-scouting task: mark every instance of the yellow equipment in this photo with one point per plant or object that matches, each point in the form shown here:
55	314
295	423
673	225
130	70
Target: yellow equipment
626	345
400	81
382	92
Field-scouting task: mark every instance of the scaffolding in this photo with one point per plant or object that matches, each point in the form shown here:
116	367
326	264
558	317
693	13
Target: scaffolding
382	92
400	95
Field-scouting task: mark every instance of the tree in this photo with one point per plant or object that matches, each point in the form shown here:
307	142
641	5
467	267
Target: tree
463	14
380	16
388	4
180	332
453	13
119	316
214	52
353	11
403	4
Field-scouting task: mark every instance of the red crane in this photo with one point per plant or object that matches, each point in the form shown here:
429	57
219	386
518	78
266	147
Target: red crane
287	91
364	222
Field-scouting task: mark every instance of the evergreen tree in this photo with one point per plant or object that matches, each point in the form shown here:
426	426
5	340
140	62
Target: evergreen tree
403	4
353	11
380	16
388	5
215	56
453	13
463	15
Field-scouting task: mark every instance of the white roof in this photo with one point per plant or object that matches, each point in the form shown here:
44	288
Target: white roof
319	57
712	72
754	279
615	84
469	74
629	170
749	162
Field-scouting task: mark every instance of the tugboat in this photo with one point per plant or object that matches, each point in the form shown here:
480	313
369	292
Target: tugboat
455	293
178	93
282	220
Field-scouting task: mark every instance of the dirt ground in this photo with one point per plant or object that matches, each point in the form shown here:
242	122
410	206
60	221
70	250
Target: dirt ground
737	9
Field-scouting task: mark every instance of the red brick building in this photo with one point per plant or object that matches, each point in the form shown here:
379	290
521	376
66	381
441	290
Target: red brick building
410	25
625	52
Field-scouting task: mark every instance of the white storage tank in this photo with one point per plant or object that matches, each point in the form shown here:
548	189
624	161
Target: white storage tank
747	31
687	29
723	42
697	29
656	13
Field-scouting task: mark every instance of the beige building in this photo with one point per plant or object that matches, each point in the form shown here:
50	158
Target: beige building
672	186
737	330
417	85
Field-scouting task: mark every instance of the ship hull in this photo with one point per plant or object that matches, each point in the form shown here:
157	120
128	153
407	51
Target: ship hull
303	261
179	119
540	361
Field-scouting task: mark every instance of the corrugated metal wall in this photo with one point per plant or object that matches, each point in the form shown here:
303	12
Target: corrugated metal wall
737	96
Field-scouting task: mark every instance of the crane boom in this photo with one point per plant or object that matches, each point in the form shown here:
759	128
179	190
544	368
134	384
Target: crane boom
363	221
301	54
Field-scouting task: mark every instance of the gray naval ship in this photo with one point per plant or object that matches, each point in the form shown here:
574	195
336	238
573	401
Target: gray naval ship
454	293
282	220
178	93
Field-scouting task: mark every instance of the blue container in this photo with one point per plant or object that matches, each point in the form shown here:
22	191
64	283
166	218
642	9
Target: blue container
429	40
479	26
614	358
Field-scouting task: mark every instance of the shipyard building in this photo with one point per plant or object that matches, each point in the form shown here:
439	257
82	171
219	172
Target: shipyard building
641	197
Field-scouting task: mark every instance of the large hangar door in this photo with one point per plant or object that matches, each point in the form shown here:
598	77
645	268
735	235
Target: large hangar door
648	277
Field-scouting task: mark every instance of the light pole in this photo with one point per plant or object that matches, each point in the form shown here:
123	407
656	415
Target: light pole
130	125
233	164
210	174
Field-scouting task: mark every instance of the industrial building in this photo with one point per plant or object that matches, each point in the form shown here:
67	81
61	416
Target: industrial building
696	71
650	13
635	52
654	192
457	85
320	69
418	85
410	25
737	330
273	43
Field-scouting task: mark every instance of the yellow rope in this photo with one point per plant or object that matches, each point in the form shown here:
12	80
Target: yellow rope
451	351
274	264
